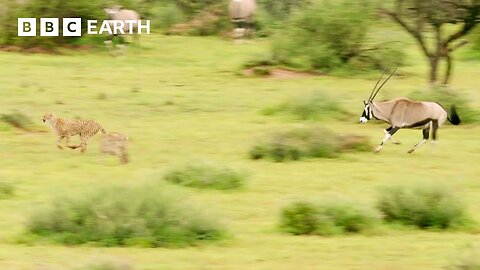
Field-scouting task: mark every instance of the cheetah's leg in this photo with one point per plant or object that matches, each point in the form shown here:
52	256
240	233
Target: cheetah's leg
124	157
77	145
83	143
59	142
67	138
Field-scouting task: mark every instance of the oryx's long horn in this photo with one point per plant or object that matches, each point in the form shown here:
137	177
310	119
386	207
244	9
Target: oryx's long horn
383	84
375	87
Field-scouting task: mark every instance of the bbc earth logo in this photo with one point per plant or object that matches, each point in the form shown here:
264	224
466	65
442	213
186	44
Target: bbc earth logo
72	27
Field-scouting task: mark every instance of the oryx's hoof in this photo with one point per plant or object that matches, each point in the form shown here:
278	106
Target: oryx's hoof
396	142
378	149
411	151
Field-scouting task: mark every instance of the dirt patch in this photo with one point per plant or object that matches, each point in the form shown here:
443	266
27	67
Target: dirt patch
278	73
12	48
43	50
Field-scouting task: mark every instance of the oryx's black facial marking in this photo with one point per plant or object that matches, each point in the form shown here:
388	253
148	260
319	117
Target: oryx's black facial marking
367	113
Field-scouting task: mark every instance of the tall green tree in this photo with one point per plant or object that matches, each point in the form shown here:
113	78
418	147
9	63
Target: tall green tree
423	19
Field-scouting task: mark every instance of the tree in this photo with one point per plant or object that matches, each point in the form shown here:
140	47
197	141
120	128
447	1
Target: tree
422	18
281	9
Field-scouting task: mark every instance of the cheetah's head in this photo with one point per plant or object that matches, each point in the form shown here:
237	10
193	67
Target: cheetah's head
48	117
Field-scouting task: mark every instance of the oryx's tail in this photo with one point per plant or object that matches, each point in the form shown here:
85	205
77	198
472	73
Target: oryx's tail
453	117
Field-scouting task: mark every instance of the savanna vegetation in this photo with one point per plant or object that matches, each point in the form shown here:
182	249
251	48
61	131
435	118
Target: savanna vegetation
148	216
206	174
182	98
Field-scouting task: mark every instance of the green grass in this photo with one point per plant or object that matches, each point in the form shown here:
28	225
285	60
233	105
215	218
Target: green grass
307	142
206	174
179	99
328	218
6	190
423	206
148	216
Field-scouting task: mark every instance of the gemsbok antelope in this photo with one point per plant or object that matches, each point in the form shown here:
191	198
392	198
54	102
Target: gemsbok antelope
405	113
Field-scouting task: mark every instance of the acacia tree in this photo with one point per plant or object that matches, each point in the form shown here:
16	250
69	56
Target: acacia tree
424	18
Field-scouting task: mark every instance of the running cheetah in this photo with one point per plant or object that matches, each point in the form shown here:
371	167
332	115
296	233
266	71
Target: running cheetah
66	128
115	143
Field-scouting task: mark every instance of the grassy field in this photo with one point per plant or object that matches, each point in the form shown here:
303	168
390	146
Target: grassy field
181	99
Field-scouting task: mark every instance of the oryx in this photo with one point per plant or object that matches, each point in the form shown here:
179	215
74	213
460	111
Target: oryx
405	113
242	14
129	19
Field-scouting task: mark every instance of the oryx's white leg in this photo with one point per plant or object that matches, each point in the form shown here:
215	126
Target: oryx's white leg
391	137
388	135
422	142
425	132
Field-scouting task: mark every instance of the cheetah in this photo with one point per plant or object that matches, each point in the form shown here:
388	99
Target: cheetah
115	143
66	128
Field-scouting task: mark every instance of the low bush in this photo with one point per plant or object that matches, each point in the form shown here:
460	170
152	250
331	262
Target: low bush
261	71
280	10
206	175
316	105
166	15
332	35
473	51
18	120
422	206
447	97
194	6
315	142
383	56
147	216
260	60
327	218
84	9
324	36
6	190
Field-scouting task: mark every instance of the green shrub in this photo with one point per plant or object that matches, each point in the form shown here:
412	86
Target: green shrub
147	216
332	35
384	56
271	15
300	218
206	175
194	6
298	143
166	15
314	106
265	25
18	120
280	10
261	71
355	143
422	206
6	189
475	39
325	36
447	97
327	218
84	9
260	60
